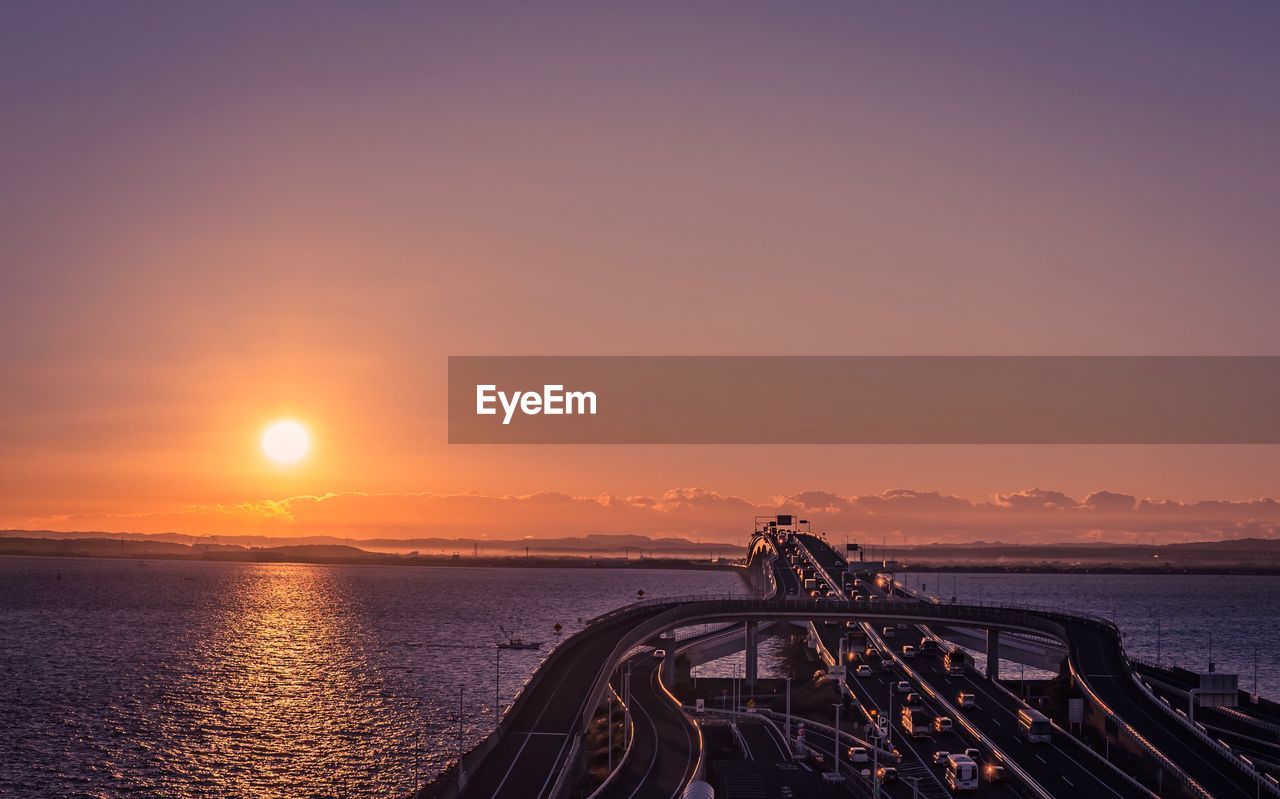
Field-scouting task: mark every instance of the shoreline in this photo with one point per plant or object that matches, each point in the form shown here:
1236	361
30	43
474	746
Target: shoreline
591	562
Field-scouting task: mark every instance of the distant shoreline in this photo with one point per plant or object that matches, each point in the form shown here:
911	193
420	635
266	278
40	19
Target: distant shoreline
107	549
103	549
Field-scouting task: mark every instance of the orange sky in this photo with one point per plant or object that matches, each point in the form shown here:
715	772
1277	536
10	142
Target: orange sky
228	216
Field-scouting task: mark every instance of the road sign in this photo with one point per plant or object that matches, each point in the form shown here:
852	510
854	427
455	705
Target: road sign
1075	711
701	705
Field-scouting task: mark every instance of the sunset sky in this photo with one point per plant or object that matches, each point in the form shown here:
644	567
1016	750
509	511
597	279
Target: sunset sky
214	216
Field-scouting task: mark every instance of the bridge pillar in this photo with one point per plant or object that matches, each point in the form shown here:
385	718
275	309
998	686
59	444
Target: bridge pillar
669	662
993	654
752	635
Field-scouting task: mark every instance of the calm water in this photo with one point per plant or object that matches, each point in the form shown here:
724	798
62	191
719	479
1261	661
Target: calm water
244	680
176	679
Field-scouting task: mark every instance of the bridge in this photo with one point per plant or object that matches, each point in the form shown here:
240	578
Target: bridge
536	750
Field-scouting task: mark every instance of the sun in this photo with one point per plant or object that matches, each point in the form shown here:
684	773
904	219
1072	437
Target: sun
285	441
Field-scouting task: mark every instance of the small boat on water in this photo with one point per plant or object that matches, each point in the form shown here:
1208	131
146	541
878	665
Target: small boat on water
515	642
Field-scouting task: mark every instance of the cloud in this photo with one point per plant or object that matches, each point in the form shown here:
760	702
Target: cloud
1036	499
1111	501
898	515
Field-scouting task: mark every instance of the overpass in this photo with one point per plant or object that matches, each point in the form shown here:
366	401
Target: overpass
535	749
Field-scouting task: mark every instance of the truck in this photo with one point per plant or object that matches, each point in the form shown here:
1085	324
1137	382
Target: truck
962	773
928	646
954	662
916	722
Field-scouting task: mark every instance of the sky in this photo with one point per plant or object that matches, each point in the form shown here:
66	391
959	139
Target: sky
215	216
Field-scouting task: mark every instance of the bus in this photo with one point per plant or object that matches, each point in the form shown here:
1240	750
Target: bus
1035	727
953	662
962	773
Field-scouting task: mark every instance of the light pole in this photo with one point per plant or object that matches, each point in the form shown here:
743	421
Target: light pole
787	735
837	740
497	679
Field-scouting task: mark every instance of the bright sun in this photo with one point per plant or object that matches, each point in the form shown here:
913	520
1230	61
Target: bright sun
285	442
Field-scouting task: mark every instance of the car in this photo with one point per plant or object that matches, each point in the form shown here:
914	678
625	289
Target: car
903	687
859	598
942	724
913	700
858	754
964	700
887	632
993	772
659	653
886	664
940	758
850	624
902	626
863	670
908	651
887	774
973	754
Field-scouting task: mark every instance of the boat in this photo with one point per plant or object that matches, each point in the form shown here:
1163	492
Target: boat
515	642
518	643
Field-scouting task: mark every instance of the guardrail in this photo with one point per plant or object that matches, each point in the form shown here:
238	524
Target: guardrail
626	753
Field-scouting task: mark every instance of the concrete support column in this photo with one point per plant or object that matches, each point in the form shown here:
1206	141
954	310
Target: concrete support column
752	635
993	654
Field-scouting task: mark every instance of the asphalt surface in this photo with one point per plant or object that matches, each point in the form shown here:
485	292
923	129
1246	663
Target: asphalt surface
754	764
527	760
1062	768
1100	662
666	748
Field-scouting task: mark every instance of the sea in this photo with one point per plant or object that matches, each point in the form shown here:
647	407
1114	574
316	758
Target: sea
177	679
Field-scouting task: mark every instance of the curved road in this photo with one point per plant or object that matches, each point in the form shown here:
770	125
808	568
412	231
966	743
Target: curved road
666	748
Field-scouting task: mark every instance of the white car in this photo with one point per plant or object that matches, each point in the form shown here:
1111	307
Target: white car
886	664
659	653
858	754
903	687
863	670
888	632
973	754
942	724
908	651
940	758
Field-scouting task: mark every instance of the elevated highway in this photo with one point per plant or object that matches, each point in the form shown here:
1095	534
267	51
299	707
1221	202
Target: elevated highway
535	750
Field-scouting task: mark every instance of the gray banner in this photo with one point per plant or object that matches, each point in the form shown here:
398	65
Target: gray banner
864	400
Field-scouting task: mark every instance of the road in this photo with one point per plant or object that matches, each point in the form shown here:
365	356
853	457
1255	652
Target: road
666	748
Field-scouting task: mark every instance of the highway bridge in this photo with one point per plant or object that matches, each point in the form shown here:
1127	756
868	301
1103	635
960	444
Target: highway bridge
536	750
